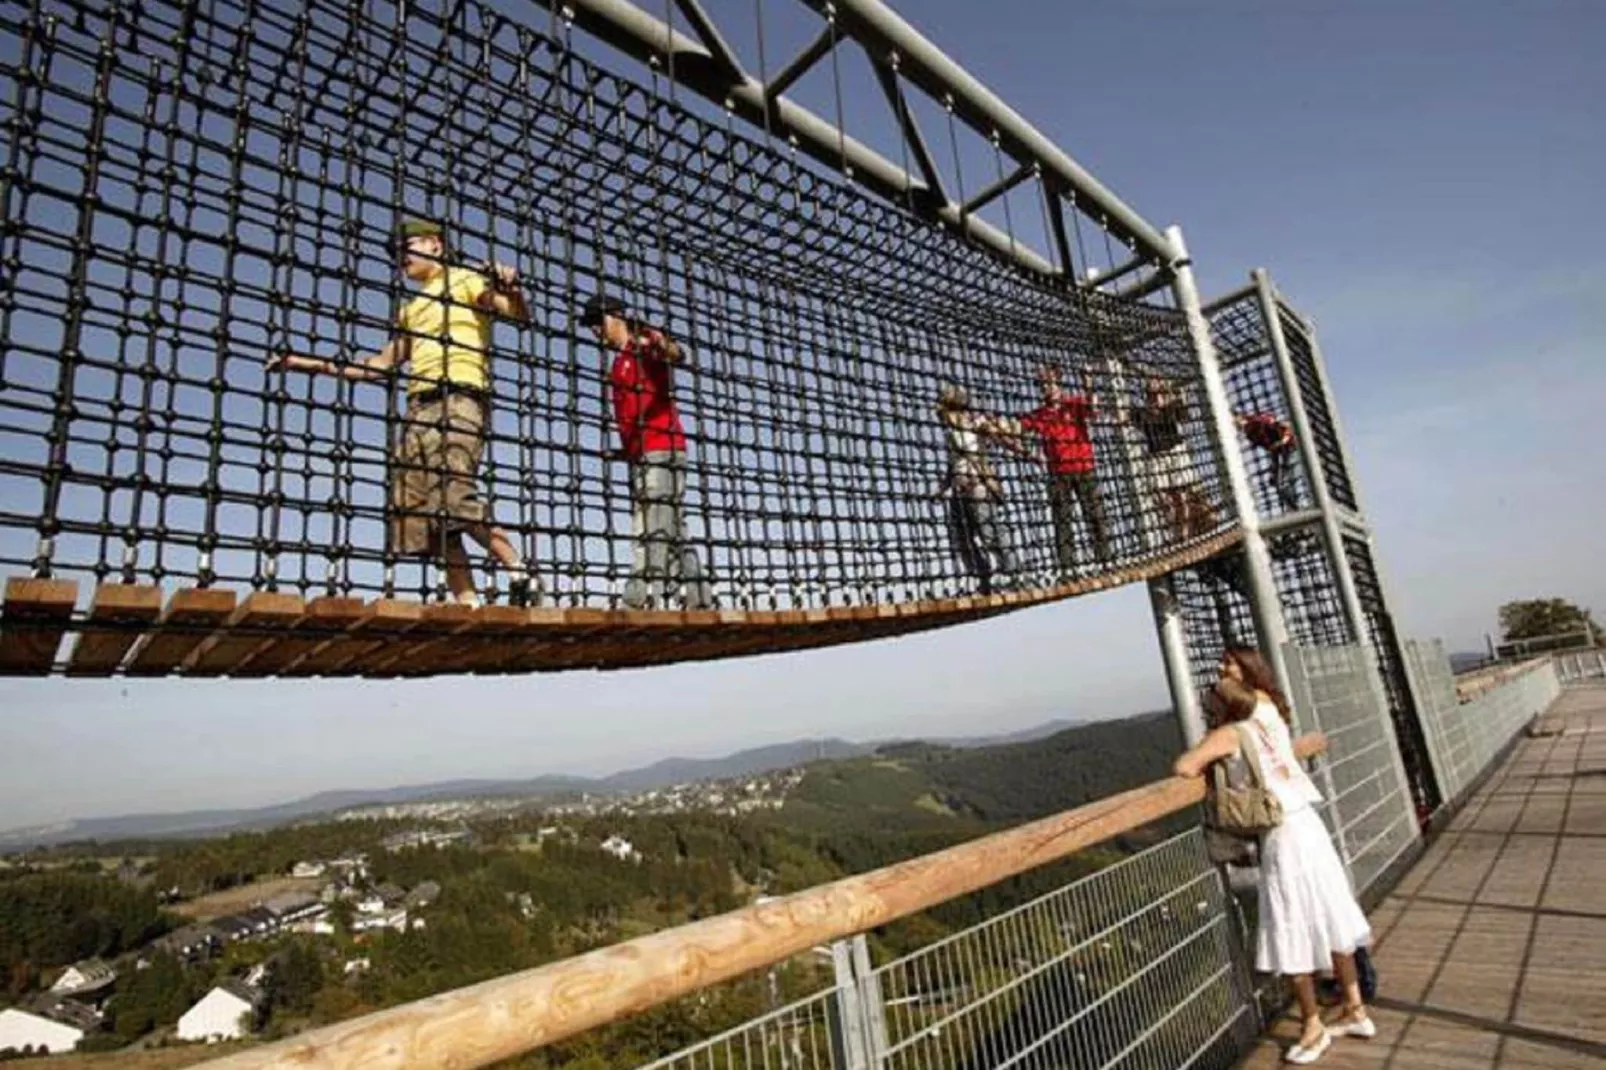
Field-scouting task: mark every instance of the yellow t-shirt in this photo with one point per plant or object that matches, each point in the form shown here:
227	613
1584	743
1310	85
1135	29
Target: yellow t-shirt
450	333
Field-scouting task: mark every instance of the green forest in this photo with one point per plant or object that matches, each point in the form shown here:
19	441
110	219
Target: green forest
516	896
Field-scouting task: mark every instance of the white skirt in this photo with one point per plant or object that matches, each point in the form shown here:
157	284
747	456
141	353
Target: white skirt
1306	910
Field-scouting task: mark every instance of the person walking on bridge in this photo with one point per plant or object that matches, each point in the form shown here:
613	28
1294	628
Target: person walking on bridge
444	340
1308	917
974	492
653	443
1061	426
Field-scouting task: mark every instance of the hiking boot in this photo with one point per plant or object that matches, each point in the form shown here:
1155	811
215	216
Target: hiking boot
523	592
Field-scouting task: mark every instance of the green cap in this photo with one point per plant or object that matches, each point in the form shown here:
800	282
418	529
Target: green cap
420	228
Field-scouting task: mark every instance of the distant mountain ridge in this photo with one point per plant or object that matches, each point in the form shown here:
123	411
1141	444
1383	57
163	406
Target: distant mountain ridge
660	774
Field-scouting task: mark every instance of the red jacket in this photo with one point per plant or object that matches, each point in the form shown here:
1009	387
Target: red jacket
1063	428
643	405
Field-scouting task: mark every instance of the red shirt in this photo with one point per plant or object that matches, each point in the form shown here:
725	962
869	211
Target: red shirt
1062	425
643	407
1266	431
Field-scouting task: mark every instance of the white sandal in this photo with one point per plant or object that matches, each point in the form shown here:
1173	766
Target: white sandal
1301	1055
1350	1026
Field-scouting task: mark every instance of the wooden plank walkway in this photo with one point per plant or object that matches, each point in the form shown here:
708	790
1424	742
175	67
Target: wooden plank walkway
1491	953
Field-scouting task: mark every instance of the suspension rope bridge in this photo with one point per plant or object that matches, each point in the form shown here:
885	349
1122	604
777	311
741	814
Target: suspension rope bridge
303	304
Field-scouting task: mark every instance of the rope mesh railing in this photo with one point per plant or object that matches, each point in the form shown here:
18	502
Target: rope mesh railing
195	189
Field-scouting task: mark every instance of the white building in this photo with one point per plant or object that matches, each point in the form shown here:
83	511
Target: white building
308	869
389	919
225	1013
91	975
21	1029
620	848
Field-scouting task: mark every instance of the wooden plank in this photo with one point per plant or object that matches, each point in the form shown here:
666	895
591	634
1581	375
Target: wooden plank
495	640
323	616
36	616
471	1027
416	653
122	612
188	620
381	625
242	635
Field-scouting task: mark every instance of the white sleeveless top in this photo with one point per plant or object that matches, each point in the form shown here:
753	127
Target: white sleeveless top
1285	776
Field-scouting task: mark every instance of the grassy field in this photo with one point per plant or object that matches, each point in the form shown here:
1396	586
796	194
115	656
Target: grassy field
245	896
151	1059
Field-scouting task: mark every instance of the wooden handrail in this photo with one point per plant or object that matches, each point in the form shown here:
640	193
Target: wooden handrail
507	1016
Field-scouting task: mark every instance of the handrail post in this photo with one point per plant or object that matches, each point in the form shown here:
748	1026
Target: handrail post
1263	603
872	1004
846	1020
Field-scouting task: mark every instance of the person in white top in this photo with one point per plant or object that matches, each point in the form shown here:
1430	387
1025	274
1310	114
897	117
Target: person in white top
1309	919
973	489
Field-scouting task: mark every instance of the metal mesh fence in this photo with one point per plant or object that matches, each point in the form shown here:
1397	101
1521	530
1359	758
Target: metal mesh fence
1136	966
1386	648
194	189
1465	736
1323	428
1335	690
1277	471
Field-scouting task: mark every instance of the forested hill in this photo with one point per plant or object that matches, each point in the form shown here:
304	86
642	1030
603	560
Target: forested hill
919	785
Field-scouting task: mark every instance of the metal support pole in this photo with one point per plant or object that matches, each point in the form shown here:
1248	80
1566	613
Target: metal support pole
872	1003
847	1022
1263	603
1174	650
1309	457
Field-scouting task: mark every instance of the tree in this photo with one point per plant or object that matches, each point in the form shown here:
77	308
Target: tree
1538	617
294	978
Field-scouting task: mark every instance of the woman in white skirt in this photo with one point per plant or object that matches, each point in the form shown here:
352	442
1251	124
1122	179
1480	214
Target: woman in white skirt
1309	919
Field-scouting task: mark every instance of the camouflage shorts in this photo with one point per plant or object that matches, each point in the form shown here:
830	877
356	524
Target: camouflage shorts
434	489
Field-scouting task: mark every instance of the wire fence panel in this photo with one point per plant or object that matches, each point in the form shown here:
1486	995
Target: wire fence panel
806	1035
1134	967
1449	743
1335	690
1578	667
1466	736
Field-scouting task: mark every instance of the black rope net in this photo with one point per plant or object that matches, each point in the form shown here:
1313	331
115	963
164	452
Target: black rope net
865	409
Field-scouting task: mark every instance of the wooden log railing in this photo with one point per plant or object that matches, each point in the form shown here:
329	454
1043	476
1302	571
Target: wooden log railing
511	1015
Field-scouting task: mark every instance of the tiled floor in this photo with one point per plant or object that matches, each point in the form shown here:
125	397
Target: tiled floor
1492	950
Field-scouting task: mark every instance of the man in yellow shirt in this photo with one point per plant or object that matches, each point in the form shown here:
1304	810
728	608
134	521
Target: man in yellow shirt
444	339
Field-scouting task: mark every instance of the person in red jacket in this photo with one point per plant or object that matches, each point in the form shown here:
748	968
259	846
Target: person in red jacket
1060	424
653	443
1268	433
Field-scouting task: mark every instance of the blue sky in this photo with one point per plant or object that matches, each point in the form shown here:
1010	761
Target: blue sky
1421	179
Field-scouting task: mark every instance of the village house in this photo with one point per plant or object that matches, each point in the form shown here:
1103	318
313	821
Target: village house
189	944
227	1012
621	848
423	894
48	1025
88	978
293	907
306	870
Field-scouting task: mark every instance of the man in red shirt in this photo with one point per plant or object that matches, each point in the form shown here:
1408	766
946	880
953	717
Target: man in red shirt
652	441
1060	424
1267	432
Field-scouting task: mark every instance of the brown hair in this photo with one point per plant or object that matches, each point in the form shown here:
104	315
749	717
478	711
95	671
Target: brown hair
1257	675
1231	702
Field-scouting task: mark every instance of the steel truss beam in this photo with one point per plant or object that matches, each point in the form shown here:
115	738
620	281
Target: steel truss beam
899	55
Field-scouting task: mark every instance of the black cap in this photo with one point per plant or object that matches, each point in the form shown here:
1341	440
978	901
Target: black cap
598	306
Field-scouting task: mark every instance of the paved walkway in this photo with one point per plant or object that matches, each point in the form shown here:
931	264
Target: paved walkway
1491	953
